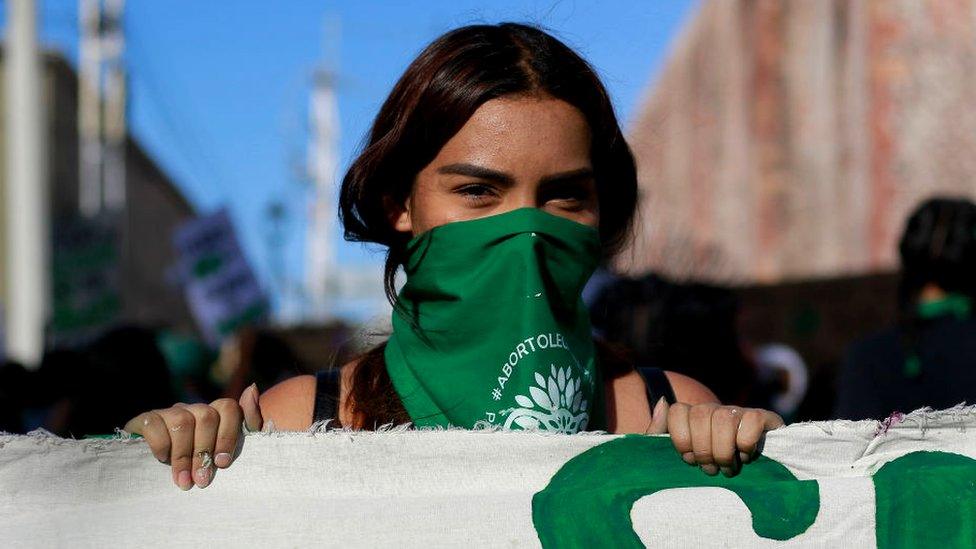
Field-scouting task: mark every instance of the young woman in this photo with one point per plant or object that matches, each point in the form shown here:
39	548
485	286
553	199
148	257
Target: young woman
497	176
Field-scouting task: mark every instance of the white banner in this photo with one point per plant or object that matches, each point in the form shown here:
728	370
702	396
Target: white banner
831	484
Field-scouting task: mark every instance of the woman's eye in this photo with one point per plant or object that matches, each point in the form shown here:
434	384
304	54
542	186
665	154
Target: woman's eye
569	195
476	191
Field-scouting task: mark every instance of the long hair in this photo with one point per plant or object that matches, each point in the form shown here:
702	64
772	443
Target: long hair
435	97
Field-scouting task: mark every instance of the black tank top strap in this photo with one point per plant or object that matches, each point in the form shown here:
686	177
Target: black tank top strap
657	385
327	396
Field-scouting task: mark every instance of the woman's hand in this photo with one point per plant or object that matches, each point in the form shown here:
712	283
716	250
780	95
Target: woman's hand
193	438
712	436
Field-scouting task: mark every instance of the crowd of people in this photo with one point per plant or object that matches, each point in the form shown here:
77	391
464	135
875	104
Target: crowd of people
94	388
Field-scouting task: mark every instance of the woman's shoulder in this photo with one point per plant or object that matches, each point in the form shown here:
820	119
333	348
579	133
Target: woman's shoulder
631	385
629	410
689	390
291	403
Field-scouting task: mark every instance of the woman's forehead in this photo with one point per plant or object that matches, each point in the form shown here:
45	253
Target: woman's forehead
513	131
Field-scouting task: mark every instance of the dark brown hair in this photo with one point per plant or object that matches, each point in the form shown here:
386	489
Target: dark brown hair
434	98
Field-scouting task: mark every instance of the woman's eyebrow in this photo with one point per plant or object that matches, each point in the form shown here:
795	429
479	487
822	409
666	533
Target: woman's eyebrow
570	176
480	172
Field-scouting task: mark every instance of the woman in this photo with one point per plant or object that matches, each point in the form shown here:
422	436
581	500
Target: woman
497	176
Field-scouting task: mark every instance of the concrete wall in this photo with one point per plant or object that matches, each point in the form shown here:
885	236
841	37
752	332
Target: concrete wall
789	140
155	207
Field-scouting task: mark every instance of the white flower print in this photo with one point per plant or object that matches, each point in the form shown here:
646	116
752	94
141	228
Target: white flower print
560	399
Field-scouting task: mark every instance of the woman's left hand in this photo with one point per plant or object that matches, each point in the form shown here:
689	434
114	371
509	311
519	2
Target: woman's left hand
715	437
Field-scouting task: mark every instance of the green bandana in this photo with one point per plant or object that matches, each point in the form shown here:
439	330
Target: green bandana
957	305
491	330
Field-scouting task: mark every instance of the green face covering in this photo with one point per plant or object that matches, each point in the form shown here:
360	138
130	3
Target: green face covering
491	329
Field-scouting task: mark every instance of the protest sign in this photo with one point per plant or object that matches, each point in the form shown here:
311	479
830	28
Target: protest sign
85	278
221	289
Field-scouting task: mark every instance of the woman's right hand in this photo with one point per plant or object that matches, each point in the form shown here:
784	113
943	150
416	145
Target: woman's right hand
193	438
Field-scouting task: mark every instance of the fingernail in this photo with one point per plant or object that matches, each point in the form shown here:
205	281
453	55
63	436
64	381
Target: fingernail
743	457
163	460
710	469
660	406
688	457
727	472
222	459
254	392
184	480
204	474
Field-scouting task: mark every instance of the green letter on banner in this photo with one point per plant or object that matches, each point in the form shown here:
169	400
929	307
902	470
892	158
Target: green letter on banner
588	501
926	499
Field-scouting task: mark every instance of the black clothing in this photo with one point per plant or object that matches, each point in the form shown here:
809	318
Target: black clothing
873	380
657	385
327	392
327	396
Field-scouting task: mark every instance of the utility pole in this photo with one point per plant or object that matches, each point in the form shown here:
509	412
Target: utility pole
101	108
321	273
27	201
114	121
89	109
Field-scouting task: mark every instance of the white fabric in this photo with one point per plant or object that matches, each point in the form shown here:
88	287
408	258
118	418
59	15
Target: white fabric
417	489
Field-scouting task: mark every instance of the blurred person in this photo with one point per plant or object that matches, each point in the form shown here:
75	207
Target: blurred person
686	328
96	389
16	387
255	356
602	279
497	177
60	377
929	357
189	360
127	373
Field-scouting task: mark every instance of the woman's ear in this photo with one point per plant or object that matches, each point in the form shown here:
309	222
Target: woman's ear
398	215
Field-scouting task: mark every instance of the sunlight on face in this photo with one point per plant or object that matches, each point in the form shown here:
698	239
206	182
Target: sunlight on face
513	152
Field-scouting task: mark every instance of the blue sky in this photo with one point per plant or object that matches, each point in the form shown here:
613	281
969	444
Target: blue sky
219	89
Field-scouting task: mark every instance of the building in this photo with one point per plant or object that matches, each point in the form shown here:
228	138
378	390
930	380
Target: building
787	141
100	275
